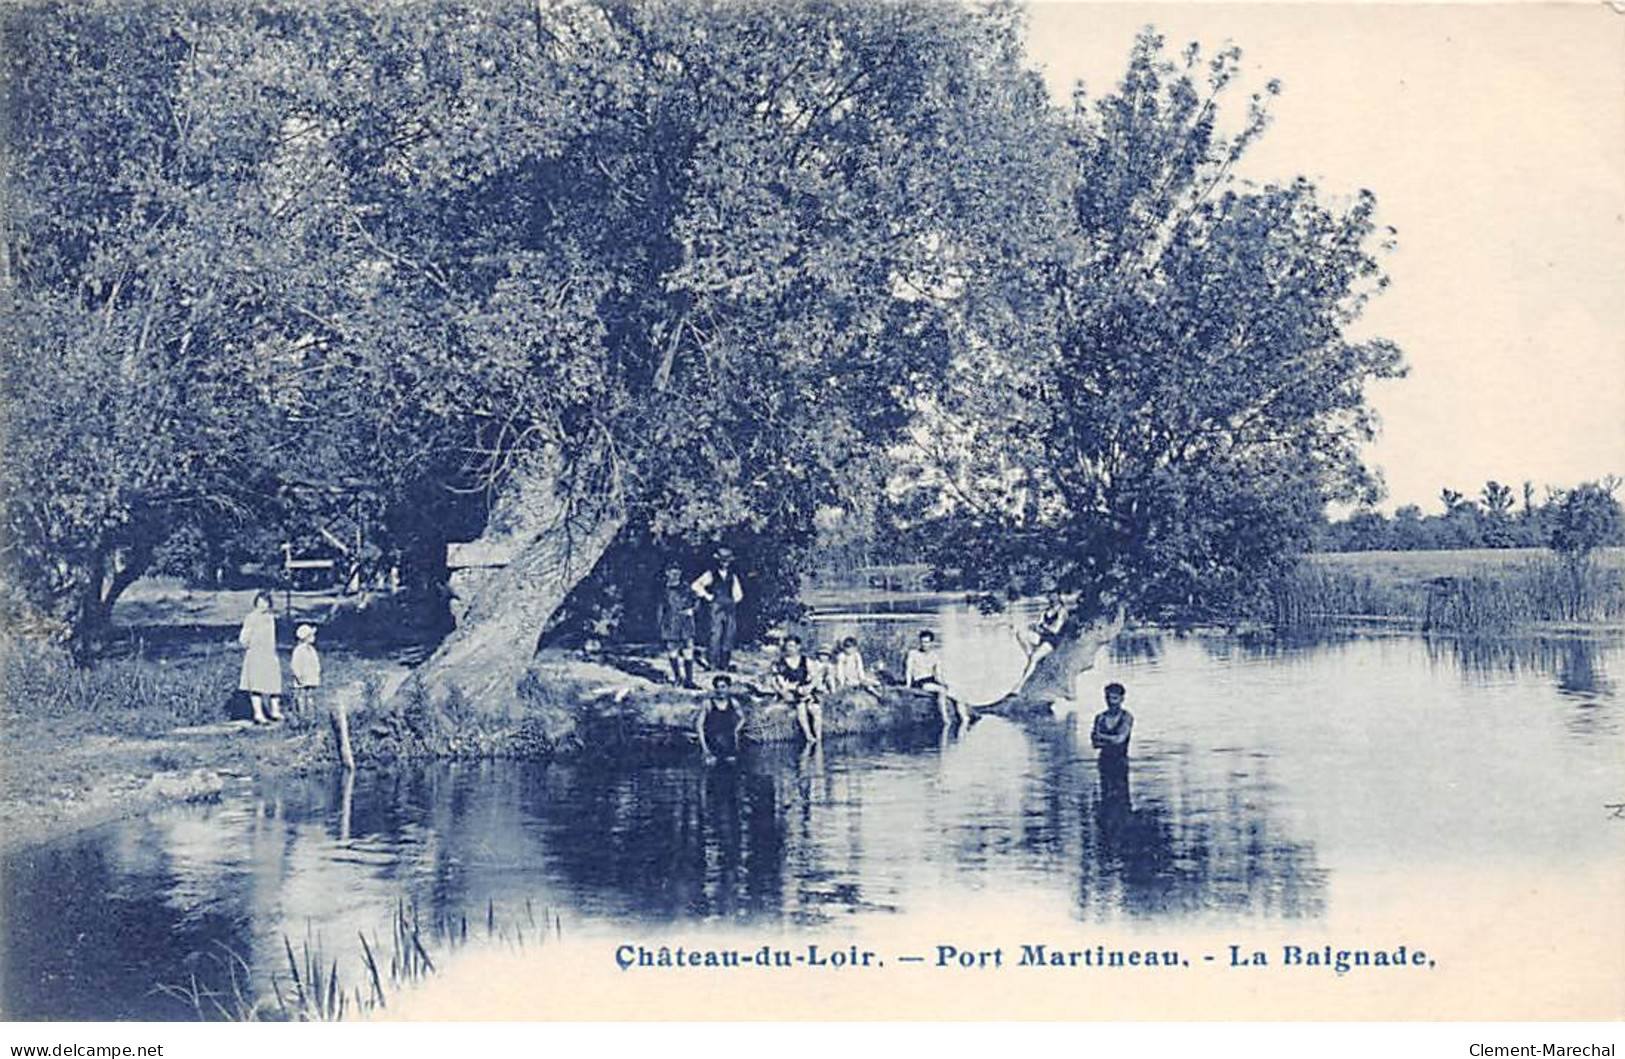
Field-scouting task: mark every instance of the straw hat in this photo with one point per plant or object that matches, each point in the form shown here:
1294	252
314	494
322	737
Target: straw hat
305	632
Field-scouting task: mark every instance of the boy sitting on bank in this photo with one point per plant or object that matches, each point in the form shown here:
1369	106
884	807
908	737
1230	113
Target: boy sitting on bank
922	671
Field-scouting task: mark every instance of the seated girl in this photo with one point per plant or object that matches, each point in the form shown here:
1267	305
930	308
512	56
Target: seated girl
849	668
1042	637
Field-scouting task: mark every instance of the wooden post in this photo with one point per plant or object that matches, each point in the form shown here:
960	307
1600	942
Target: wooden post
1439	589
346	802
287	581
341	734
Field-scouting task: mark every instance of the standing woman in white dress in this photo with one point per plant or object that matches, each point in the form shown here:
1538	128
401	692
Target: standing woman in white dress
262	672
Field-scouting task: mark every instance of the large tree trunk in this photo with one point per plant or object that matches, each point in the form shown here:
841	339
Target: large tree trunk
81	613
123	570
547	546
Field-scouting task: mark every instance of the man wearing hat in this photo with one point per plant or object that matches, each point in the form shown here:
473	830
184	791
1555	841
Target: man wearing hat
722	591
307	668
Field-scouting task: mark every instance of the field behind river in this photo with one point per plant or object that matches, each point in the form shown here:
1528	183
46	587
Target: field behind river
1474	591
1416	566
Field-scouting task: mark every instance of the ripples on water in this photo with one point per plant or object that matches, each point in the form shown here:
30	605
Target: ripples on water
1260	771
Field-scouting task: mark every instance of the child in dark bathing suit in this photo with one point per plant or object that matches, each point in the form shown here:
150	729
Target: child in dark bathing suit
1042	637
720	721
793	679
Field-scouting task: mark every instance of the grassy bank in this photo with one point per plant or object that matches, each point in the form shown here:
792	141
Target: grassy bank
125	734
149	722
83	745
1480	591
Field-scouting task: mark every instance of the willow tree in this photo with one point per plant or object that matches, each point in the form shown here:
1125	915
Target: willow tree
764	229
672	264
669	264
1167	433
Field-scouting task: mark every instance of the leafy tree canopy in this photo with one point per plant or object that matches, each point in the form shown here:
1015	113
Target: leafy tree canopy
689	258
1169	410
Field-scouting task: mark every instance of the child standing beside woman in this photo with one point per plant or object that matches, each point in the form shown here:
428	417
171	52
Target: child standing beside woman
307	670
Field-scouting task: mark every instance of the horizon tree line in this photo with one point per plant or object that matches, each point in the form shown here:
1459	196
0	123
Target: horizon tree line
1577	519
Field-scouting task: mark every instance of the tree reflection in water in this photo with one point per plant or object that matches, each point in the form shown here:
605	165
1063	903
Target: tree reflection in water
1576	664
781	836
1181	847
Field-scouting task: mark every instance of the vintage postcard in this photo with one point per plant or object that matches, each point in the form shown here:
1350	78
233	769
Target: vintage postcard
668	509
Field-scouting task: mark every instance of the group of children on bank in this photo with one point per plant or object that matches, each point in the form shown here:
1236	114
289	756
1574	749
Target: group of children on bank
797	679
802	681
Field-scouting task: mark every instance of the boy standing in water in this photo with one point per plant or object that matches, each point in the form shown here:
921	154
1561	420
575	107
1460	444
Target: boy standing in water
720	721
1112	728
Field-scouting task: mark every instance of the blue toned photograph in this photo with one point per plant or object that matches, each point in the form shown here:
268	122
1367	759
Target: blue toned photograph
813	509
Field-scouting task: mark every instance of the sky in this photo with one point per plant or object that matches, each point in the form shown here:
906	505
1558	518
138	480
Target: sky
1494	139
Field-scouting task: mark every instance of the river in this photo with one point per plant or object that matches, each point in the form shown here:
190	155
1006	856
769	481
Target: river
1263	774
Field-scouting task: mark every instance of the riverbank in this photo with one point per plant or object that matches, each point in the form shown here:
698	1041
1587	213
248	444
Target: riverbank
151	723
1244	767
72	760
82	746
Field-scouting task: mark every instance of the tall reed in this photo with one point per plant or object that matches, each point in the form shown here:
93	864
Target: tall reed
134	695
312	987
1543	590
